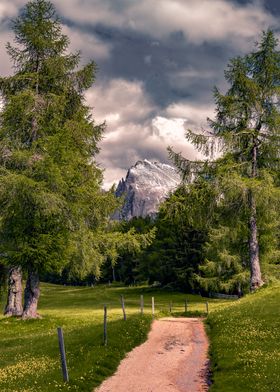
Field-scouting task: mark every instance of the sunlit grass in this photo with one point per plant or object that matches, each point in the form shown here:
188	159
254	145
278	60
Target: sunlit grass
245	343
29	356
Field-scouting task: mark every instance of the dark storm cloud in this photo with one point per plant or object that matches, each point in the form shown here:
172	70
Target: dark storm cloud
171	69
158	62
178	65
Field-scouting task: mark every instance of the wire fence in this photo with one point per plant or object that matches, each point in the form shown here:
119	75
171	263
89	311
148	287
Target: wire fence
127	307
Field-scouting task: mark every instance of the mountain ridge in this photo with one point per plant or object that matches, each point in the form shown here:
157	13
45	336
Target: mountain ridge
145	187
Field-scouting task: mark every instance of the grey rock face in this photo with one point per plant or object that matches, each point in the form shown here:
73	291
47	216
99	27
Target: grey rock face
146	185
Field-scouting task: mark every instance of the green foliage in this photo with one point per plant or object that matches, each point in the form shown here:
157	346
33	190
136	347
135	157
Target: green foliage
33	222
124	267
245	132
247	115
54	214
107	247
178	250
226	266
173	257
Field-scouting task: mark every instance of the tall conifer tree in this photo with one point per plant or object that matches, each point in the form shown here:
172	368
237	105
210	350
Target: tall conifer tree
246	129
51	200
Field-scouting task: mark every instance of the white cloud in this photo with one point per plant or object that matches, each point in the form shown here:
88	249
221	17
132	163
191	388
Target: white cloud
89	45
171	132
126	110
119	101
193	114
200	21
135	130
10	8
112	175
92	12
6	64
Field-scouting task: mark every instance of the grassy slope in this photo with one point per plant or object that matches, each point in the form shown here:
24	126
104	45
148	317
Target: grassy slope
245	343
29	357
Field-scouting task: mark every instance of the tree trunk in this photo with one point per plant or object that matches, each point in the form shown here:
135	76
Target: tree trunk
31	296
256	276
14	300
114	274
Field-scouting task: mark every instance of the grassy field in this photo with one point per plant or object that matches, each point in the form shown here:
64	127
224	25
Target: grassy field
245	343
29	356
245	338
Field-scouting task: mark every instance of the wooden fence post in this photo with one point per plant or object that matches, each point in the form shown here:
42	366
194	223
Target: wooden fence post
153	306
170	306
123	307
142	304
105	326
62	354
186	305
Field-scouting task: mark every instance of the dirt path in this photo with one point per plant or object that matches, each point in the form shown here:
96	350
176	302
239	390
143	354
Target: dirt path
173	359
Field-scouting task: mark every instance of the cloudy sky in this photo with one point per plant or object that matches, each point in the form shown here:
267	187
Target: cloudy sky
158	61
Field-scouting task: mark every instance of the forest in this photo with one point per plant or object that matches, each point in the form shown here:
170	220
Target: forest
218	232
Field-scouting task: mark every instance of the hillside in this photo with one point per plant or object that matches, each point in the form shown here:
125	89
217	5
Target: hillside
244	337
29	357
245	344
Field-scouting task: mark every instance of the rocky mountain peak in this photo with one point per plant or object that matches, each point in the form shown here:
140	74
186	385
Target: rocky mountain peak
146	185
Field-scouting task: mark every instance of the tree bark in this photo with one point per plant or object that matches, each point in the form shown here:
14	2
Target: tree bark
14	300
113	273
256	276
31	296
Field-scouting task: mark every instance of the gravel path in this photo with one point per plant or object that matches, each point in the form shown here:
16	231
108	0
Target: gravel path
173	359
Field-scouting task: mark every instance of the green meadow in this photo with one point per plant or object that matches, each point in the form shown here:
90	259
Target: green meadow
29	355
244	336
245	343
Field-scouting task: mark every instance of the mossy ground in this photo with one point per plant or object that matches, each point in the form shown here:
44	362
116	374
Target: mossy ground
245	343
29	356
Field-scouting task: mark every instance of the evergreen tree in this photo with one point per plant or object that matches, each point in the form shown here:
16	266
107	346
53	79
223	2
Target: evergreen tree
52	205
246	131
227	264
174	256
121	245
182	227
130	261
